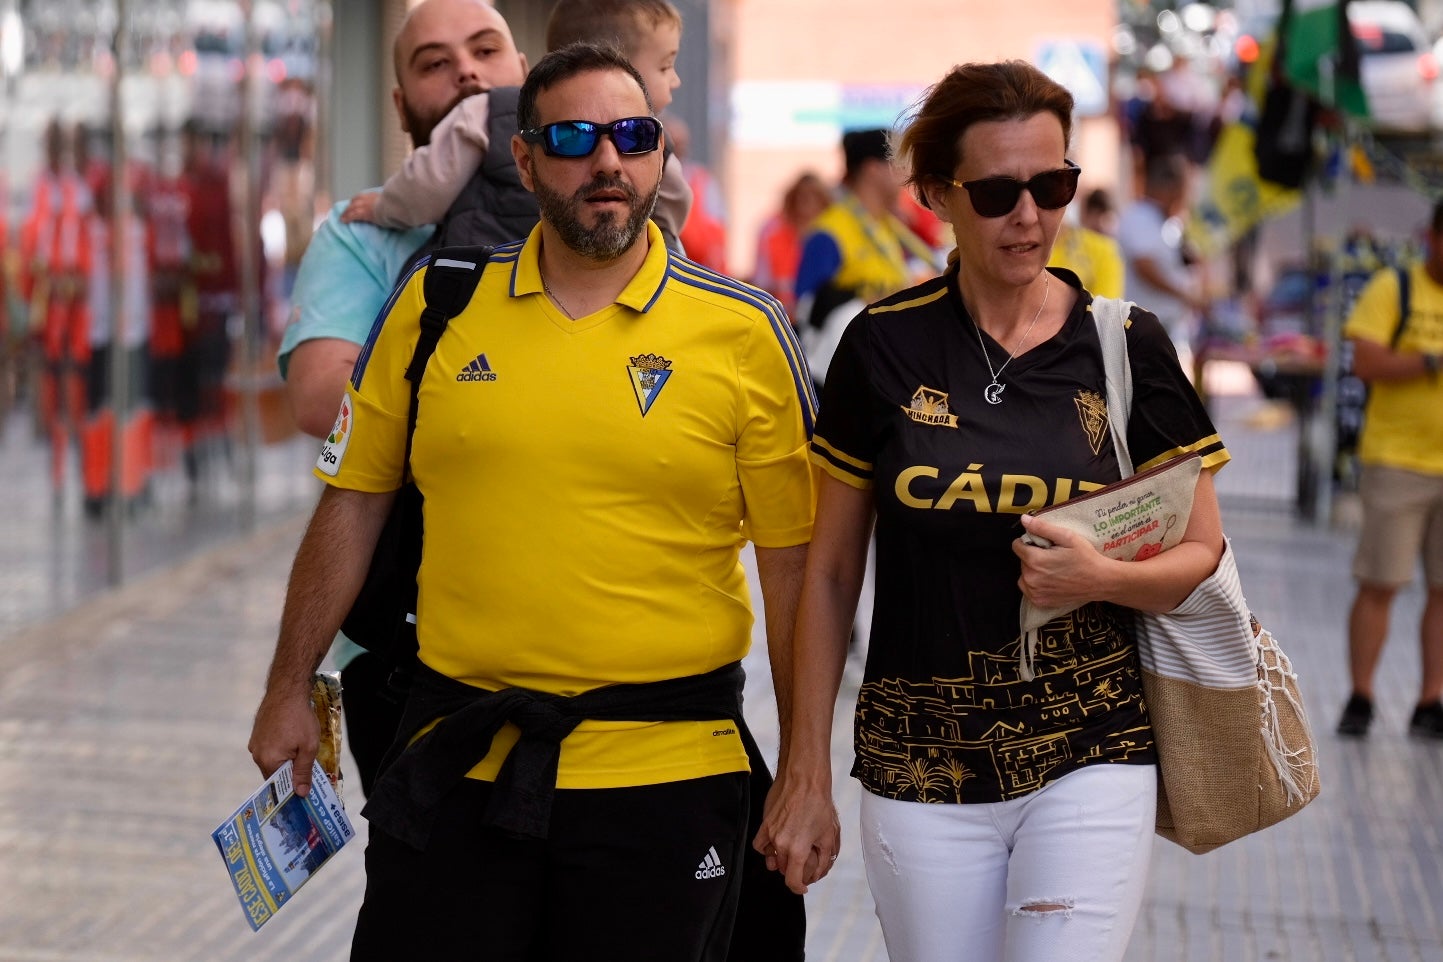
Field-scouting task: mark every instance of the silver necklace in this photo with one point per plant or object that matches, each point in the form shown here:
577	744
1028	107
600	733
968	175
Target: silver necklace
992	393
557	301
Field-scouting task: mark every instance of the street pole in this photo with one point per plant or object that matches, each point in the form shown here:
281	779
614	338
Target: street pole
1308	482
1327	446
251	299
120	255
324	87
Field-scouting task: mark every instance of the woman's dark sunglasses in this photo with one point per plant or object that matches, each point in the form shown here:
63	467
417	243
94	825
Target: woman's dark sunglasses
997	196
578	138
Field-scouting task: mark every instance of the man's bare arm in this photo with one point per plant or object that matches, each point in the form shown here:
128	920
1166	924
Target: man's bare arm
1150	271
1379	362
316	379
328	571
800	831
780	571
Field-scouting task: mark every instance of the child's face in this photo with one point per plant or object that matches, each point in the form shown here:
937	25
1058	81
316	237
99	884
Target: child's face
655	60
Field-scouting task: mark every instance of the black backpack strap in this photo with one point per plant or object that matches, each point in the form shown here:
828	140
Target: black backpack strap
449	284
1405	306
381	618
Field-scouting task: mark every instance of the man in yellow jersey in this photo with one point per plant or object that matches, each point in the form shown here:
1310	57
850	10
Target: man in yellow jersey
445	51
573	784
1396	350
858	250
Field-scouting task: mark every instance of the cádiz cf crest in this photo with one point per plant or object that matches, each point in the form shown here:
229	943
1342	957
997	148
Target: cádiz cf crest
649	374
1092	412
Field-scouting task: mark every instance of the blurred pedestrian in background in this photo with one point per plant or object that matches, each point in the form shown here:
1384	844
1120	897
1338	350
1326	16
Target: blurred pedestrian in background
858	249
704	234
11	347
55	263
1098	212
1094	256
215	275
779	242
1396	350
1150	232
936	234
128	332
293	175
173	377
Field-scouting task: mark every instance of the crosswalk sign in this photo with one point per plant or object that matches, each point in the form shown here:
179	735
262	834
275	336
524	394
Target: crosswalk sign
1081	67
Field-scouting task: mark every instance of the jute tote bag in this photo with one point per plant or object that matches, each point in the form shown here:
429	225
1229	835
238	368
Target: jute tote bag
1235	752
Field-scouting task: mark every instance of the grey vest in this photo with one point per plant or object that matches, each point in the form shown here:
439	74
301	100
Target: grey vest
493	207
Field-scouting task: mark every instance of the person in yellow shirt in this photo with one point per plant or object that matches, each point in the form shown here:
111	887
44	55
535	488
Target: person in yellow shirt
598	432
1396	351
858	249
1087	248
1093	256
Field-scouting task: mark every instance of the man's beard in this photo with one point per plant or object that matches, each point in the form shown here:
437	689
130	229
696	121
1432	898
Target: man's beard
421	124
609	239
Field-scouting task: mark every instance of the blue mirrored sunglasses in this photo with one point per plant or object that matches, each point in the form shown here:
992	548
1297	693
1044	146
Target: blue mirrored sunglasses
578	138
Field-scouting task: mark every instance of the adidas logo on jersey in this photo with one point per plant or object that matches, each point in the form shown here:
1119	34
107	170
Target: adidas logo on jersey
478	370
710	866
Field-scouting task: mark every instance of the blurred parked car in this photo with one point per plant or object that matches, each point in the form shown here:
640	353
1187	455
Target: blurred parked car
1399	70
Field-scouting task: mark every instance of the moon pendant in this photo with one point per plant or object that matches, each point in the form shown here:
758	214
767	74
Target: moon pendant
993	392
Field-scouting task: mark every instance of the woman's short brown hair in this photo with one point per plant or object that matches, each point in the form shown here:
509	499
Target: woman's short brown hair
930	148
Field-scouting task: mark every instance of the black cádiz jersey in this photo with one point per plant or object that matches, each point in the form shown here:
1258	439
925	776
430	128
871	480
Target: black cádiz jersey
943	715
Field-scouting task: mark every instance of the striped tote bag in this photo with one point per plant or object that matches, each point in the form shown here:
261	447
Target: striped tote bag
1235	752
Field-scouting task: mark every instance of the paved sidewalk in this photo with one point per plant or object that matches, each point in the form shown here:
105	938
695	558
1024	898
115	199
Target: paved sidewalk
122	744
53	558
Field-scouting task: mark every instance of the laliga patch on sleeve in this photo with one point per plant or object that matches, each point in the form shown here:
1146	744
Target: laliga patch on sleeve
335	447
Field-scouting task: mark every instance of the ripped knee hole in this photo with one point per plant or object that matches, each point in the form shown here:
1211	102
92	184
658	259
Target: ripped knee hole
1044	907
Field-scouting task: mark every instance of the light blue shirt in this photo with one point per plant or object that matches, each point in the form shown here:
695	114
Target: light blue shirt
346	276
345	279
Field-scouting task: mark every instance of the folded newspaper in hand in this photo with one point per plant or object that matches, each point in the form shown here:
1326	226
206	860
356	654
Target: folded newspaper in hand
277	840
1129	520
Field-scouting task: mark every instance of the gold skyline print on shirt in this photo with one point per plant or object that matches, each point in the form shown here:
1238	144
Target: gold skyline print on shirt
926	741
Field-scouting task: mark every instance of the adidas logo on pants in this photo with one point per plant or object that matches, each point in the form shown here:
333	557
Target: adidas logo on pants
710	866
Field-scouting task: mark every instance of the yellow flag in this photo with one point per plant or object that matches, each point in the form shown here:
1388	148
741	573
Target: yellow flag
1234	198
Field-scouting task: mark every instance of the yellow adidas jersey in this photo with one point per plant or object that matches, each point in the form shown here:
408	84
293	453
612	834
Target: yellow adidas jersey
588	486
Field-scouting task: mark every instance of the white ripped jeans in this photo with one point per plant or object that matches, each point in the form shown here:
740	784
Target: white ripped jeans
1057	875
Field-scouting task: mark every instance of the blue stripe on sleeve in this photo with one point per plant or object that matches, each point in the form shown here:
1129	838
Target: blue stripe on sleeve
689	272
364	357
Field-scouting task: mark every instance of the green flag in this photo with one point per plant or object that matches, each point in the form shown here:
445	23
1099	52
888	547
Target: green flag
1318	53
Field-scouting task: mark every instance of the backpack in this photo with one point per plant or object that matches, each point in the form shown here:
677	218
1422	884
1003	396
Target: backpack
1353	393
382	619
1404	306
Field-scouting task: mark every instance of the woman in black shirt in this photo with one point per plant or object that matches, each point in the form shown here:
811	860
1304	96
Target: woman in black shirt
1004	811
